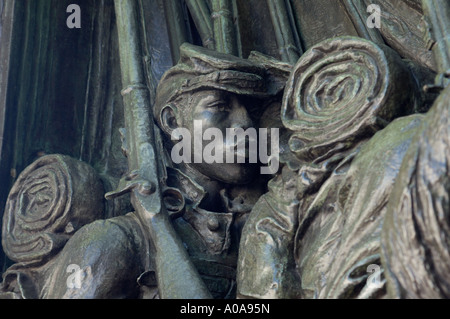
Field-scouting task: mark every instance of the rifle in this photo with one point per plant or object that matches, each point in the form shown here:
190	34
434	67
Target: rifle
176	275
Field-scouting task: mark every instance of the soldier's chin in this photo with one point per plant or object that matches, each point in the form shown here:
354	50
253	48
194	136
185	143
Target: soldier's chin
229	173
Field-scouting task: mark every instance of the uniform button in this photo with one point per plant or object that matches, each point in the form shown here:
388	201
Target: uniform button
194	195
213	224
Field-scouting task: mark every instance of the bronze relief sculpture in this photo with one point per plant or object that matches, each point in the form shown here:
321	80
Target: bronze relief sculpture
357	206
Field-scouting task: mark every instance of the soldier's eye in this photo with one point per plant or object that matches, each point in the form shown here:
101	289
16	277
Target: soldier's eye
223	107
219	105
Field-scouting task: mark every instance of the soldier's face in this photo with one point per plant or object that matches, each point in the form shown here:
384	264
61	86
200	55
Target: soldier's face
221	110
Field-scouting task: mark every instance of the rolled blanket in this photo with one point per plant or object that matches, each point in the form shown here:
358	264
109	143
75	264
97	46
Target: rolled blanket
51	199
341	90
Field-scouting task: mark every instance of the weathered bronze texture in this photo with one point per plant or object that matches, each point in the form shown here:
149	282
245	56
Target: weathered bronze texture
98	206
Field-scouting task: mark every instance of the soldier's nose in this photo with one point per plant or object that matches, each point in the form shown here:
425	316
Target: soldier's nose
239	115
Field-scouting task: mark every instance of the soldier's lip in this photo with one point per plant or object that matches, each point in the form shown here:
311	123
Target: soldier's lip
238	152
241	152
242	148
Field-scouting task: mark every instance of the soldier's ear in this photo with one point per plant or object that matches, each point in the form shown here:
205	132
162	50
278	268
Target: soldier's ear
168	118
